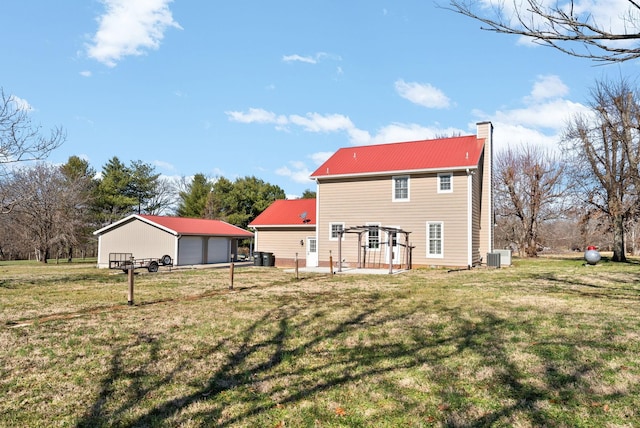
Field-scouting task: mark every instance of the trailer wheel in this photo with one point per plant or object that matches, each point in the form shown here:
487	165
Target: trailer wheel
153	267
166	259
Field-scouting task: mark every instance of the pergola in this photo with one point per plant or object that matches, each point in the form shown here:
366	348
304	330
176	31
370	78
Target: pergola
391	233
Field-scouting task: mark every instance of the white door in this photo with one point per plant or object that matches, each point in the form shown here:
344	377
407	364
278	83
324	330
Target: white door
312	251
395	248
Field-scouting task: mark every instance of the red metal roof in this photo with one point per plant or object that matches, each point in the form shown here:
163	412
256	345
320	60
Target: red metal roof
288	212
440	154
197	226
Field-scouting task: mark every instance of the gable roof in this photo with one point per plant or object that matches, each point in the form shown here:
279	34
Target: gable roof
185	226
440	154
288	212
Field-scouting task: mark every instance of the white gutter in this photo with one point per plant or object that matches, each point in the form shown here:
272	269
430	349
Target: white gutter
469	218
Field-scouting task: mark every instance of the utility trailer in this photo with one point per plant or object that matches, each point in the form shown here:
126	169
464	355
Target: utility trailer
126	261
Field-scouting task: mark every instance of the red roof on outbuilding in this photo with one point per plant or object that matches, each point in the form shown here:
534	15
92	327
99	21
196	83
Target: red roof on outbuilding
439	154
197	226
288	212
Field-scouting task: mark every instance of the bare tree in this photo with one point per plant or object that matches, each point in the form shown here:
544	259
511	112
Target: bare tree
164	197
561	25
21	141
529	192
604	149
51	213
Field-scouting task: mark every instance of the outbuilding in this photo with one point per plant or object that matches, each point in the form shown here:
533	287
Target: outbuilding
188	241
287	229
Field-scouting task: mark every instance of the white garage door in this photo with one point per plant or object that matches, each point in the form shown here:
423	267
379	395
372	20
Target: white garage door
190	250
218	250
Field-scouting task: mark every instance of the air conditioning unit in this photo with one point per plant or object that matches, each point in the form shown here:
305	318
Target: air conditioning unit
505	257
493	260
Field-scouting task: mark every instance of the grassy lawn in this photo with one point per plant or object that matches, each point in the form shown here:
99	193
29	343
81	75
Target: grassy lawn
548	342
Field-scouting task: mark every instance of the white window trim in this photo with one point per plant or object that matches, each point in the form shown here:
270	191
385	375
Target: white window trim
331	238
379	236
393	188
449	174
429	254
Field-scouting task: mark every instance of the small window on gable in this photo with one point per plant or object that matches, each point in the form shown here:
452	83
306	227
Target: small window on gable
401	188
445	183
334	231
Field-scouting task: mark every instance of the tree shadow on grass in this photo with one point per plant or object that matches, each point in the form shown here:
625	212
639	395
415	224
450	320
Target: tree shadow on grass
627	289
252	358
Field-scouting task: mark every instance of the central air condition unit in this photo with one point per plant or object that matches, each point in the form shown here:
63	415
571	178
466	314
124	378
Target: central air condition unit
493	259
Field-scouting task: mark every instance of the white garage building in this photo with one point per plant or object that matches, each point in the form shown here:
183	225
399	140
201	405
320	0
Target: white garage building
188	241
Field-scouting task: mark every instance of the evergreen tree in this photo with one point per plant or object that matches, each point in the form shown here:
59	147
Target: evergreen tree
308	194
193	199
241	201
143	185
113	199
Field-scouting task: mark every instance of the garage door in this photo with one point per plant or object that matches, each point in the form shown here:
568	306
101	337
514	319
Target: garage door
190	250
218	250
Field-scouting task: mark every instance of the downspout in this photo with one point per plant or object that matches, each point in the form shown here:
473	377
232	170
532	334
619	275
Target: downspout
318	224
469	219
99	250
251	241
177	255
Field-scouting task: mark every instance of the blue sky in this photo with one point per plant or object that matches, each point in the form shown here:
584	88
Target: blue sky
270	89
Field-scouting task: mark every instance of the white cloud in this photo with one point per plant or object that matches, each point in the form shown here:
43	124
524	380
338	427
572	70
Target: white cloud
540	120
256	115
315	122
130	28
20	103
164	165
310	59
299	173
299	58
548	86
320	157
333	123
85	73
422	94
311	122
397	132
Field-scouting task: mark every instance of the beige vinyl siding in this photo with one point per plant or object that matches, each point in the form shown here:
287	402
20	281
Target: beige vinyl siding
283	242
136	237
357	202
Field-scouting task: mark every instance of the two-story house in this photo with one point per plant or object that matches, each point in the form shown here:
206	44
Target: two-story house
429	202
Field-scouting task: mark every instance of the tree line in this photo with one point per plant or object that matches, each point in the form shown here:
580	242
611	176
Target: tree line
586	193
55	208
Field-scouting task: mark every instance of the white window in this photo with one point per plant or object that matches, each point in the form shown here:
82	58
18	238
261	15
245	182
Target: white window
435	239
445	183
401	188
373	236
334	231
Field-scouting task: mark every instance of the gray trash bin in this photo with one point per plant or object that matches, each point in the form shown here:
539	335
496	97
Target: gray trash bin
257	258
267	259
